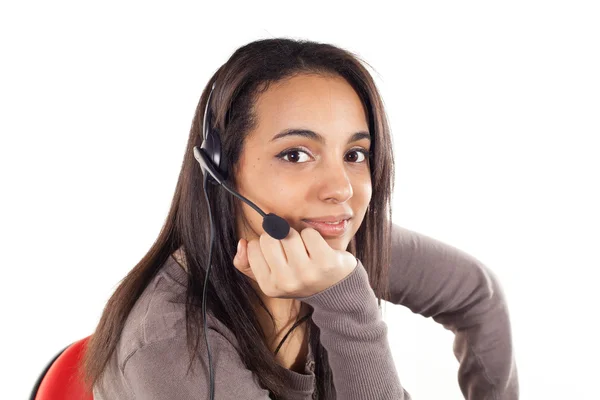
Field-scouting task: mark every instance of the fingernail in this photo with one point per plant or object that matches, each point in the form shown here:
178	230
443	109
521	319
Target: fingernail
239	246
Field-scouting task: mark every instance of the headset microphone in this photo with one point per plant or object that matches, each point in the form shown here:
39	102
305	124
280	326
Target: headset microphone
274	225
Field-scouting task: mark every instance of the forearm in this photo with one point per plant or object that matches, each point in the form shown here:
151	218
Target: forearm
437	280
355	337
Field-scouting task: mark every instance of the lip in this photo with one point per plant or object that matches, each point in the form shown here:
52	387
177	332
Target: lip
329	230
329	218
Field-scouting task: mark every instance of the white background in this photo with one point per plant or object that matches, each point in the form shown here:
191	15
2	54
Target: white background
494	111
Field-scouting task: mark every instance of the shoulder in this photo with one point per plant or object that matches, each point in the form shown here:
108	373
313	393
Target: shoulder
409	246
164	369
159	314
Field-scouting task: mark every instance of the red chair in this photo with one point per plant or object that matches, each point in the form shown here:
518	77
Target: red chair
59	379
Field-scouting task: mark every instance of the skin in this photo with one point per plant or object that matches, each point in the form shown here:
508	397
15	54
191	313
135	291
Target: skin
319	179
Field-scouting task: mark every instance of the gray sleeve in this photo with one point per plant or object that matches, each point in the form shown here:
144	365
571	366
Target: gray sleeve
355	337
437	280
157	371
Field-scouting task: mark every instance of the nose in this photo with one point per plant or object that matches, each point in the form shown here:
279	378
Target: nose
336	185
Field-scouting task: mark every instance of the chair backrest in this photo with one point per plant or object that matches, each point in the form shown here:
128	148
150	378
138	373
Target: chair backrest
59	380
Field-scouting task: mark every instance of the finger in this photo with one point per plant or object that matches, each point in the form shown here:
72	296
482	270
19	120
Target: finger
316	245
259	266
240	261
272	250
274	254
295	249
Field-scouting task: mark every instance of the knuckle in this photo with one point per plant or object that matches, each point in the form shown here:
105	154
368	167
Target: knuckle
307	233
291	287
265	239
310	278
337	260
251	254
286	286
291	237
269	290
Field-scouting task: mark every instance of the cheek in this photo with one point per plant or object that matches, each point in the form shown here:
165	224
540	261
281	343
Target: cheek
284	192
272	189
363	192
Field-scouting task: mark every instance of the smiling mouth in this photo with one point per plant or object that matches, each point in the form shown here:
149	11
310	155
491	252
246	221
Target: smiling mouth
328	229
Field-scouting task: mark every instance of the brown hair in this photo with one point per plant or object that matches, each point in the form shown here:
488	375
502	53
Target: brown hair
248	73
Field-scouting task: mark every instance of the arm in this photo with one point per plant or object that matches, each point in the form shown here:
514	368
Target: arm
355	337
437	280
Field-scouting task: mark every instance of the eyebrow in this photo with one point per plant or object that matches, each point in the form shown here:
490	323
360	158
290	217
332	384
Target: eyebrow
307	133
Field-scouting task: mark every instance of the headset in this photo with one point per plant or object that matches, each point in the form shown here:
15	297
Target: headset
215	170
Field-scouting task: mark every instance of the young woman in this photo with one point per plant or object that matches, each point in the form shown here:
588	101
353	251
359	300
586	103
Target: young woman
305	136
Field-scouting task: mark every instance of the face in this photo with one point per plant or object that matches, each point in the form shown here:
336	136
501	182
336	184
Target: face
323	173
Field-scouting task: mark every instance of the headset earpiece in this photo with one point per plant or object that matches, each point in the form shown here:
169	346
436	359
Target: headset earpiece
212	149
211	144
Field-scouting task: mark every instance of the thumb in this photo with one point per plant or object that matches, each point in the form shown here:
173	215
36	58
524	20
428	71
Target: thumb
240	261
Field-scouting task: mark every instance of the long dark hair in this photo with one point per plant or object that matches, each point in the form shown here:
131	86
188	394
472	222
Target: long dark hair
248	73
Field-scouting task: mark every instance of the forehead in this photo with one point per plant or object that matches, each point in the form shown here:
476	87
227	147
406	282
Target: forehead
325	104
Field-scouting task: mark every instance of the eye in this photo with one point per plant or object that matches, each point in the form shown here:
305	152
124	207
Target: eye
359	153
299	156
293	156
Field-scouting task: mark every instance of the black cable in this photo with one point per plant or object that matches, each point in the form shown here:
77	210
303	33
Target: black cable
212	239
245	200
298	322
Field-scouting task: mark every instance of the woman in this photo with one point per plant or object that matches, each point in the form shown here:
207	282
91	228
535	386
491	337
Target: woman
305	136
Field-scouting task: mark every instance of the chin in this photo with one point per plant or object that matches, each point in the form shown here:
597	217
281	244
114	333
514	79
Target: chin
340	243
